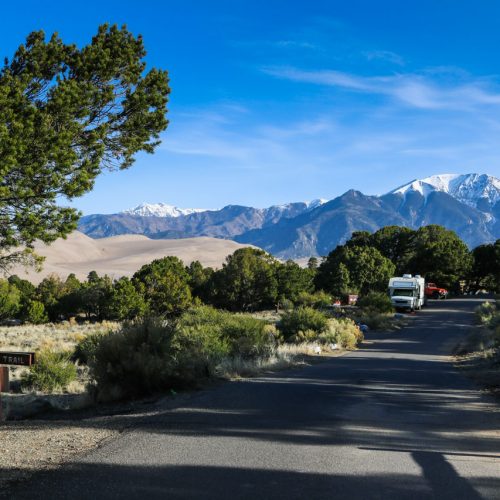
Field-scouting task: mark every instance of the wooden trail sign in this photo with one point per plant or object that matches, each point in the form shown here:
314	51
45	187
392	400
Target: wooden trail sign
12	358
17	358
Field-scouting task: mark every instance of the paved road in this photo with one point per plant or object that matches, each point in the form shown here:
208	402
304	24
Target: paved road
391	420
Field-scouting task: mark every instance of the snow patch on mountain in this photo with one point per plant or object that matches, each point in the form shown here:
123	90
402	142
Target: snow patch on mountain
315	203
471	189
161	210
165	210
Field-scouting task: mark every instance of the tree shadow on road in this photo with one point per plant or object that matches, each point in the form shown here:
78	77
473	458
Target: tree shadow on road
99	481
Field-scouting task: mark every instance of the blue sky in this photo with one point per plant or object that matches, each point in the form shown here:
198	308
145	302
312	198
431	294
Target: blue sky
275	101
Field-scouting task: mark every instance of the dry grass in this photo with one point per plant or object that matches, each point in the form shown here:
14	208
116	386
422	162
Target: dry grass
478	356
58	337
484	367
285	356
268	315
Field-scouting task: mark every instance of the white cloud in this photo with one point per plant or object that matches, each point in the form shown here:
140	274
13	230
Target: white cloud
285	44
411	89
230	139
384	55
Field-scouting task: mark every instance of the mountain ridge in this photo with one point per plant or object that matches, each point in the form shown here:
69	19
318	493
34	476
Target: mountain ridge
469	204
165	210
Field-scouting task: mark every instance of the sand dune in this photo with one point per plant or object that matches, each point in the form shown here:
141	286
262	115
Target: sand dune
122	255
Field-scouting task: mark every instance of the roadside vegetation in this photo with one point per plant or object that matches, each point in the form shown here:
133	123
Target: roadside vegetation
172	326
479	354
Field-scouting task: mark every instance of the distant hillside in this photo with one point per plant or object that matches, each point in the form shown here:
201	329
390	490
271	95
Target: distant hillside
224	223
468	204
123	255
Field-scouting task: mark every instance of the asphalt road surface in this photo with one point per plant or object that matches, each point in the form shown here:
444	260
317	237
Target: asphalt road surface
394	419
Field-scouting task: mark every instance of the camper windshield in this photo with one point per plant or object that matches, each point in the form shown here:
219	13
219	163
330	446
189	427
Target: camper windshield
403	292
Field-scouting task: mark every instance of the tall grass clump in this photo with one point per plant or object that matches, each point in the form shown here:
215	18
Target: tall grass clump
488	314
53	371
343	332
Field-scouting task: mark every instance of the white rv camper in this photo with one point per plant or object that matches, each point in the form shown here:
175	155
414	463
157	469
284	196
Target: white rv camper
407	292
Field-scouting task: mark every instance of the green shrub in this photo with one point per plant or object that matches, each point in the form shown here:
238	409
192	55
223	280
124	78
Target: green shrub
245	336
296	322
495	320
317	300
488	314
52	371
151	355
248	336
135	360
86	348
196	351
304	336
286	304
376	301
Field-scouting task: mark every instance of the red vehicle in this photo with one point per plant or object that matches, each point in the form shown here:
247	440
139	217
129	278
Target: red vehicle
433	291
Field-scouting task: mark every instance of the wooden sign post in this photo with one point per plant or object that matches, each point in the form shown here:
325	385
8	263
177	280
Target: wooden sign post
16	359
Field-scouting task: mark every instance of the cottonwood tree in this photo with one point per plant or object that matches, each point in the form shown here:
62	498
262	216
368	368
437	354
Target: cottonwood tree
367	261
66	114
95	295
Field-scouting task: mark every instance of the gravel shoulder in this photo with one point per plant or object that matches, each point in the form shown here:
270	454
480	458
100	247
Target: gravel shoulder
45	443
30	446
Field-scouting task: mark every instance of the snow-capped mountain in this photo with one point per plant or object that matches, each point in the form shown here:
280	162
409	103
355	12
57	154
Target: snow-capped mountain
476	190
165	210
468	204
161	210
